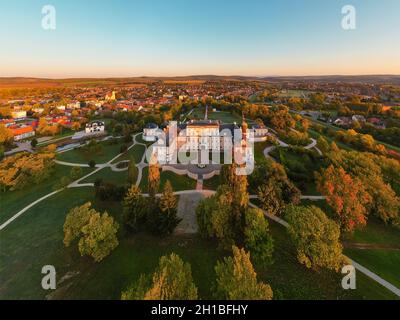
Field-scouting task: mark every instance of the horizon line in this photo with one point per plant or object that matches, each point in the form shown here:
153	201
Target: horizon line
202	75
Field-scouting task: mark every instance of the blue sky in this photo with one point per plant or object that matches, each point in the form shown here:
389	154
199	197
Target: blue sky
183	37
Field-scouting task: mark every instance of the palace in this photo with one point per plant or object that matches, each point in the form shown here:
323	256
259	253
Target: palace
198	136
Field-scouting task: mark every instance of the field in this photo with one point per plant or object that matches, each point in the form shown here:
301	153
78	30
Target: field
223	116
294	94
35	240
179	183
83	155
12	202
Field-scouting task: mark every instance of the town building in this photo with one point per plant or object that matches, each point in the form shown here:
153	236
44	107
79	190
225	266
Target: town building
150	132
95	127
18	114
24	132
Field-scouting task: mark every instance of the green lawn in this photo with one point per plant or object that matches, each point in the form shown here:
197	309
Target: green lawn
107	175
136	152
179	183
14	201
35	240
290	280
212	184
81	155
224	116
385	263
259	148
376	232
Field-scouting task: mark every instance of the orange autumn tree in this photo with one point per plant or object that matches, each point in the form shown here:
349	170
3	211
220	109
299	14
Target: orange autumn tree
346	195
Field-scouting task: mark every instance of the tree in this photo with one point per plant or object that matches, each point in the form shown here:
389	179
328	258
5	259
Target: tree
270	197
346	195
135	209
316	238
154	179
34	143
92	163
76	219
257	237
269	172
23	169
6	135
163	218
172	280
237	280
323	145
99	236
132	171
96	232
76	173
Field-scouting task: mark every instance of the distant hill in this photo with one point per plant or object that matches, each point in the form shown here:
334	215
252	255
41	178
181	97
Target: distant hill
28	82
372	79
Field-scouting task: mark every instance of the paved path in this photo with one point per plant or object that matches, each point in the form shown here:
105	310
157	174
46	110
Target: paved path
187	212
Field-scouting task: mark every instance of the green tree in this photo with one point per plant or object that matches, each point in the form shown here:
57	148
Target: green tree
99	236
258	240
76	219
135	209
76	173
270	197
96	233
172	280
162	219
34	143
316	238
323	145
132	171
237	279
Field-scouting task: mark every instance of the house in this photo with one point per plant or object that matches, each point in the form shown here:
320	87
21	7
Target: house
150	132
24	132
18	114
358	118
343	122
260	130
377	123
95	127
111	96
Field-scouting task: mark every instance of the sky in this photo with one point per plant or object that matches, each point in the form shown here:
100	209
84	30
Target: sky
121	38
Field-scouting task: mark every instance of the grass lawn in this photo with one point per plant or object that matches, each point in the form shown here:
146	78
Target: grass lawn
14	201
300	168
212	184
179	183
376	232
35	240
136	152
294	94
224	116
259	148
139	139
81	155
384	263
290	280
118	178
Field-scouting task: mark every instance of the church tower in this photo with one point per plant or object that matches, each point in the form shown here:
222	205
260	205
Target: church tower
245	127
